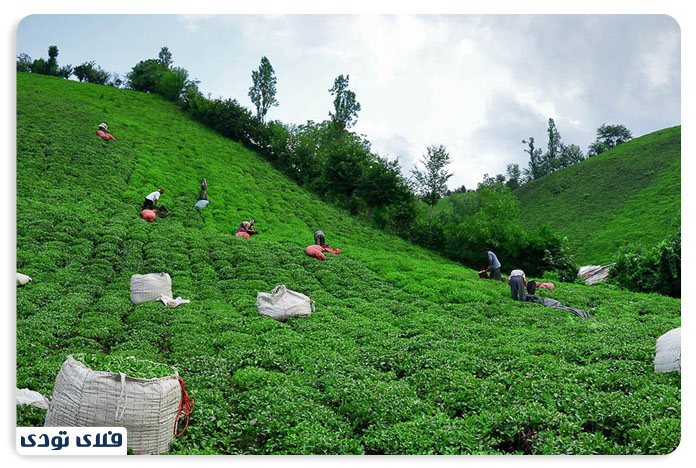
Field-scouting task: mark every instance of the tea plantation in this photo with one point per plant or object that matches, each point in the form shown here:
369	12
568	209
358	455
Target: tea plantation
407	353
631	194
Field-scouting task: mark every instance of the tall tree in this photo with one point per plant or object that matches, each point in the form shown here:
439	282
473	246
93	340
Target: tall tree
514	176
23	63
571	154
52	63
608	137
263	89
165	57
431	183
554	148
346	107
44	67
537	167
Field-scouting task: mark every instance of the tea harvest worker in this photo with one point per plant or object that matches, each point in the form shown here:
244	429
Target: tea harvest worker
518	281
493	264
152	200
247	226
203	201
319	238
101	131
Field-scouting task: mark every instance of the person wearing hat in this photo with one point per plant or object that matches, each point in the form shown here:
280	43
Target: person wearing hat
247	226
152	200
101	131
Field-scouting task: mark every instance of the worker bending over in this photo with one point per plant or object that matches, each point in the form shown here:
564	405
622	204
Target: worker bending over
518	283
152	200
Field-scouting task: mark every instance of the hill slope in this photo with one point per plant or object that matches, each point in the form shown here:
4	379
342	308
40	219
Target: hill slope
631	194
406	352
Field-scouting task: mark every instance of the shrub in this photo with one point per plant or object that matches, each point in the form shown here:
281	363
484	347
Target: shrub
656	269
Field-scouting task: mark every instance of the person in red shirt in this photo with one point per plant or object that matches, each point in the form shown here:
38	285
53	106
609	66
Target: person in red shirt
101	131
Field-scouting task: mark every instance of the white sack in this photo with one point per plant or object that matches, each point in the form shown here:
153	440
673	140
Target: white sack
30	397
283	304
22	279
200	204
169	302
144	288
147	408
668	352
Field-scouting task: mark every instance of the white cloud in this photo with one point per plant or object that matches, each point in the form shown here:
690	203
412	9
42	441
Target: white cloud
477	84
192	23
661	63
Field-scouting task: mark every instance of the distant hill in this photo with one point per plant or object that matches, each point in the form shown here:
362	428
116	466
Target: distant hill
631	194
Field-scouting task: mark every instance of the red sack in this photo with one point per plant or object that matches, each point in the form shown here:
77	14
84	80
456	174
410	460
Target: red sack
315	251
548	285
483	273
242	234
105	136
149	215
331	250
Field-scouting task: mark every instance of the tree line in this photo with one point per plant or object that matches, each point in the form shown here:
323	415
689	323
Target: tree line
340	166
558	155
88	72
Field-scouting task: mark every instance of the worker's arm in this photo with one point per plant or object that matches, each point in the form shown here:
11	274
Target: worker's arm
490	264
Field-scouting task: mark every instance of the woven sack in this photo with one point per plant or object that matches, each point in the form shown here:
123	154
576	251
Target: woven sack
283	304
22	279
145	288
668	352
147	408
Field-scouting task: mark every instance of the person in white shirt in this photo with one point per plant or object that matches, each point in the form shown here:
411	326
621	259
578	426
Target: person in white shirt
518	281
152	200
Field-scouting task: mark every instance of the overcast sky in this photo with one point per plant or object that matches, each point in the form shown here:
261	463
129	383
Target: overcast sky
476	84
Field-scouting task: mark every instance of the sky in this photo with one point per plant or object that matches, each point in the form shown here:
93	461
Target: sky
478	84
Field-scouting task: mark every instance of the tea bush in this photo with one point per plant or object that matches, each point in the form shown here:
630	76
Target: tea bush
407	352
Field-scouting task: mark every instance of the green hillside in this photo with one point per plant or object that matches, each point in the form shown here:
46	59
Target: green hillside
406	353
631	194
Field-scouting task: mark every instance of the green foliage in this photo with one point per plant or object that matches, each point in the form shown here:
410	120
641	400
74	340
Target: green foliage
263	89
133	368
172	83
490	216
628	195
431	183
407	352
44	67
608	137
656	269
24	63
558	155
91	73
346	107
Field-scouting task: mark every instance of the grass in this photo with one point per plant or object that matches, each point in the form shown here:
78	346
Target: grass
631	194
406	353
